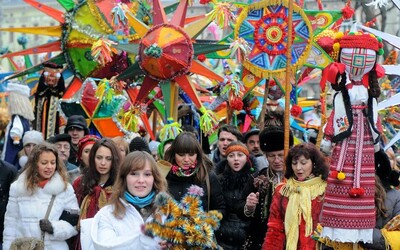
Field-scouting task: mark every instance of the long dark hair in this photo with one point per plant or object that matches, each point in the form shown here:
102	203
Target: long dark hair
186	142
91	176
309	151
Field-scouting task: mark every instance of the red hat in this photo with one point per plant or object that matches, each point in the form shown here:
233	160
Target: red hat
360	40
84	141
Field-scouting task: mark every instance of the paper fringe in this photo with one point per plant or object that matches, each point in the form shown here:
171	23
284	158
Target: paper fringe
170	130
208	121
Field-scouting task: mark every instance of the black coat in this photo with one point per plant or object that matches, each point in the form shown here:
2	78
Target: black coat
178	186
7	175
236	186
259	221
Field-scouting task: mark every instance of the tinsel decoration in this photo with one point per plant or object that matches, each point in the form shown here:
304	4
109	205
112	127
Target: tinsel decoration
104	91
170	130
102	51
118	15
187	225
208	121
130	118
241	48
222	14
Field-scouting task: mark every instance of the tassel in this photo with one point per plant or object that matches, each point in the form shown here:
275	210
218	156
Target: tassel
208	121
102	51
170	130
241	48
104	91
222	14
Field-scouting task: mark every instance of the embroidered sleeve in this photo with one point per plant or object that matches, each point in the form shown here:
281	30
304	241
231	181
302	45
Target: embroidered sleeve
328	129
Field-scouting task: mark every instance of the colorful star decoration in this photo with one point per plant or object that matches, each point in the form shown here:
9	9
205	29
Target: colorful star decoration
100	115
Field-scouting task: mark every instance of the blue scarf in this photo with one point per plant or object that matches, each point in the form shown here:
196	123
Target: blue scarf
140	202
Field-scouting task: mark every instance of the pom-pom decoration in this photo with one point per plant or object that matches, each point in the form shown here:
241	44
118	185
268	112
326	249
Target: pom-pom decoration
296	110
341	176
356	192
187	225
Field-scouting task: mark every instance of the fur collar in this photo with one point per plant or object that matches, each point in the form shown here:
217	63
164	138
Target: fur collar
53	187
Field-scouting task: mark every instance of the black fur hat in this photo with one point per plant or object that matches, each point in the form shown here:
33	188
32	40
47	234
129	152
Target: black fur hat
272	139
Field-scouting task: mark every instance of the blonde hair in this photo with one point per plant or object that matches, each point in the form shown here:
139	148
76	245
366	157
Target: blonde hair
120	141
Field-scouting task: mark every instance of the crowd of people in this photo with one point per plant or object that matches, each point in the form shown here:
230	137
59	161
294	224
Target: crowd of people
101	191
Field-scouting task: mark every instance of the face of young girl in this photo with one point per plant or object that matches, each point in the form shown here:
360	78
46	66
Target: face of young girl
140	182
236	160
47	165
185	160
85	154
103	159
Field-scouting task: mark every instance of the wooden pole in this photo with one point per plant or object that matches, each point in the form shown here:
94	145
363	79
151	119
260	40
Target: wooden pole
288	85
261	120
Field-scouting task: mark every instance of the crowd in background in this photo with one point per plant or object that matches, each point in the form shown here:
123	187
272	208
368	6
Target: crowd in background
114	181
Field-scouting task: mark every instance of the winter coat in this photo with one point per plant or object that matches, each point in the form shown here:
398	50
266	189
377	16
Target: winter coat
109	232
275	238
178	186
392	204
7	175
236	186
25	210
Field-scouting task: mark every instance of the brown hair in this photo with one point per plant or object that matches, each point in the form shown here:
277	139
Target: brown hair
185	142
91	176
309	151
380	197
31	167
134	161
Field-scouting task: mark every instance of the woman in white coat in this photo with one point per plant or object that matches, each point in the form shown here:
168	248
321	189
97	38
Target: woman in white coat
119	225
30	196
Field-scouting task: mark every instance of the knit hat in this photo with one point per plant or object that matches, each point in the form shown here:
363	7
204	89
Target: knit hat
76	121
84	141
273	139
384	171
237	146
60	137
254	131
139	144
19	89
32	136
358	40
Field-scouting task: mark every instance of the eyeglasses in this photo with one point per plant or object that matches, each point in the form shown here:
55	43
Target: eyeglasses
66	147
272	157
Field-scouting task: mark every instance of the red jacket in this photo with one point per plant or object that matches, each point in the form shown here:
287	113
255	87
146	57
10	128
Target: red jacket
275	238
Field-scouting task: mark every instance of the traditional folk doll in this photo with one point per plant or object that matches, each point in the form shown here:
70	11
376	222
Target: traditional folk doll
21	112
50	89
349	211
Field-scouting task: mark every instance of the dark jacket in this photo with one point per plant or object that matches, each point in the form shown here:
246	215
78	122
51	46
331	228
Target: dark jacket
178	186
7	175
259	221
236	186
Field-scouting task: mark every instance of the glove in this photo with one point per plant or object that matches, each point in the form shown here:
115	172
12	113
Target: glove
45	226
326	146
69	217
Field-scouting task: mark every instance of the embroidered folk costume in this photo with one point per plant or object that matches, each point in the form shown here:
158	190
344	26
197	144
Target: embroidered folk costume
349	210
50	89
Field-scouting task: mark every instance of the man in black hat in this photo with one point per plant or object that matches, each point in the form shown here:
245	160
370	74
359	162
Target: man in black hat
252	141
258	203
77	128
63	144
